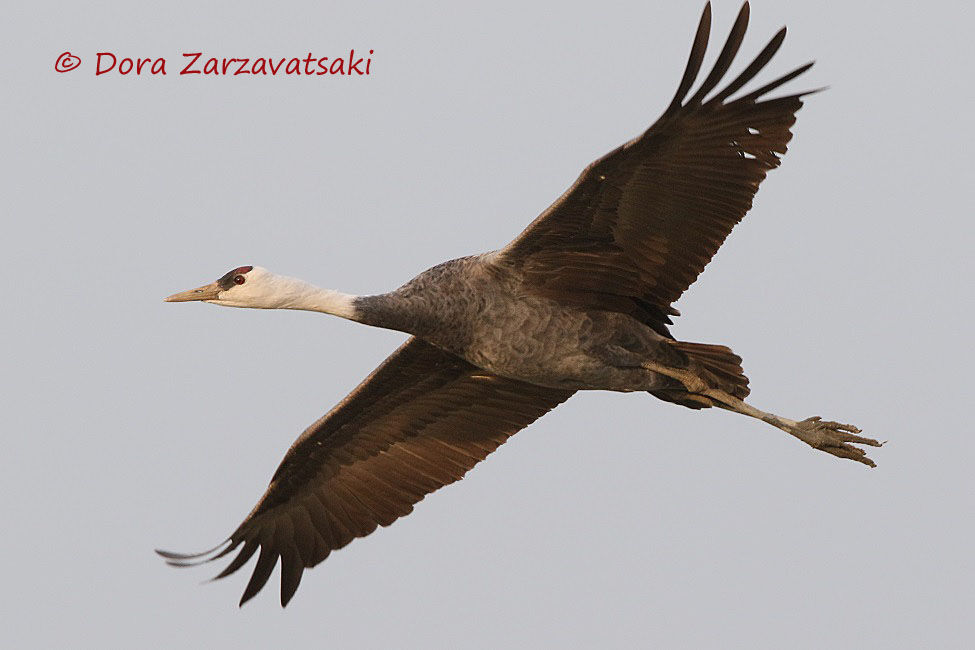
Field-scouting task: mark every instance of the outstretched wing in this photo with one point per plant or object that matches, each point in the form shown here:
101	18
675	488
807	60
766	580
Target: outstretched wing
640	224
421	420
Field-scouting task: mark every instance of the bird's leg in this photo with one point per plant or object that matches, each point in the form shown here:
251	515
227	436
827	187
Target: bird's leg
832	437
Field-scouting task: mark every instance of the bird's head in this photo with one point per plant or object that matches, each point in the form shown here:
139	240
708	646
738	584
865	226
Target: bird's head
245	286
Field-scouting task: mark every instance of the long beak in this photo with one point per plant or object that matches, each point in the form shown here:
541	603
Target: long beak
206	292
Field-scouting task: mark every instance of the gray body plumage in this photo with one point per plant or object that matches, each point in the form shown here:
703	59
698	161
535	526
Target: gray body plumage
479	309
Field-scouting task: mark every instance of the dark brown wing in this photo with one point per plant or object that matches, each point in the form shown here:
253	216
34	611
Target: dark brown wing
640	223
421	420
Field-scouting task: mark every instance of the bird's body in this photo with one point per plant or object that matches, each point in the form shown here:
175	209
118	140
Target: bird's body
580	300
479	309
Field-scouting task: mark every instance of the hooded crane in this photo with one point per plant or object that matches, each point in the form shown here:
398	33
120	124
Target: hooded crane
580	300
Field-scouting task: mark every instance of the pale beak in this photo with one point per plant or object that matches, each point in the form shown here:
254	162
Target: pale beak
206	292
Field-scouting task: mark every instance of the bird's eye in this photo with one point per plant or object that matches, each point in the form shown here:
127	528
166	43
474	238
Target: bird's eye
239	279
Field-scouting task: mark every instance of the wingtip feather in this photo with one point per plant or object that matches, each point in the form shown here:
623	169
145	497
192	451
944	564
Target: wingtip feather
193	559
728	52
262	571
769	87
695	59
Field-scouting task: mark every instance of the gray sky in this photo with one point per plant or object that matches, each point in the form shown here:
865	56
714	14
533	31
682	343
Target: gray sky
620	520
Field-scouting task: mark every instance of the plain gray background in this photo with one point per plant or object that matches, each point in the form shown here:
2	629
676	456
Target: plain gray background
617	520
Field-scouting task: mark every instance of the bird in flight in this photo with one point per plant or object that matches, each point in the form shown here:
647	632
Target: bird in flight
580	300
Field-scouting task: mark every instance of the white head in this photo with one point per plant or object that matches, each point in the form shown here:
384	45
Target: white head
245	286
256	287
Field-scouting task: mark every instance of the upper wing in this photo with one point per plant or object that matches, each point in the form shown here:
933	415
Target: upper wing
639	224
418	422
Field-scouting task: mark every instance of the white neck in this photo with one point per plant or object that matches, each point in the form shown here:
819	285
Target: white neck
308	297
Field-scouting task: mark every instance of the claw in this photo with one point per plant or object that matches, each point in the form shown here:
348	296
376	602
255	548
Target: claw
835	438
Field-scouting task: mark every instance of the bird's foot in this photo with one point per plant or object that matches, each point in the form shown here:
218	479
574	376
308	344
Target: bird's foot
834	438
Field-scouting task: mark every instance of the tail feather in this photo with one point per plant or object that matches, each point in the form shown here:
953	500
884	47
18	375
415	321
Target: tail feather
718	365
721	363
